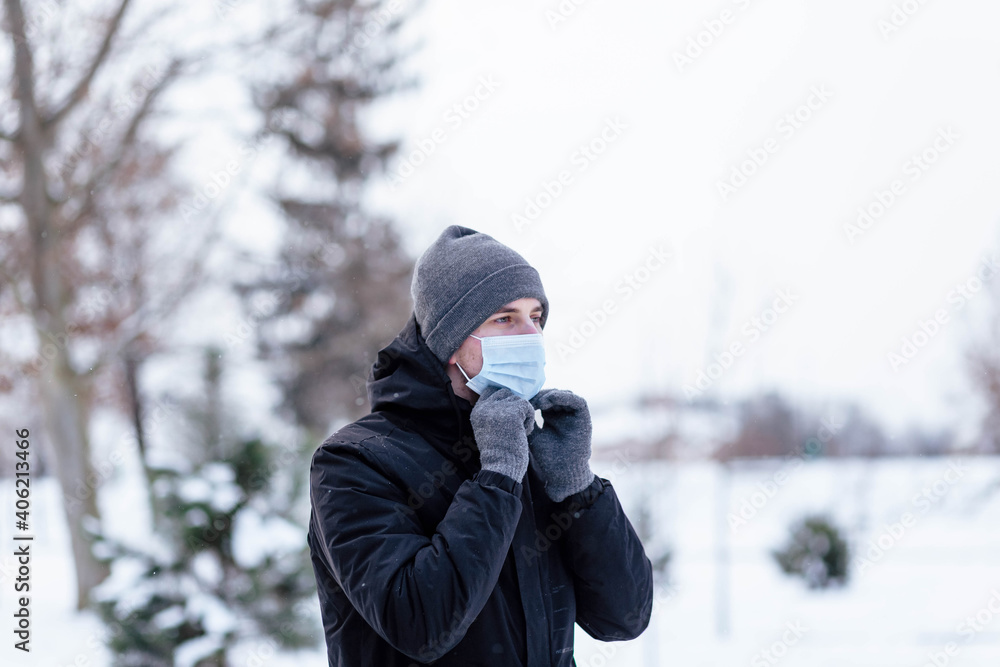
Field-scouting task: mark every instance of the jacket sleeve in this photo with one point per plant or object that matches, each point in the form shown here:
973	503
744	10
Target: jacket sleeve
613	578
419	592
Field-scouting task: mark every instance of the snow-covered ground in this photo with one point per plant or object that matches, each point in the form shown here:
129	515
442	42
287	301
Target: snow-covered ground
905	603
933	586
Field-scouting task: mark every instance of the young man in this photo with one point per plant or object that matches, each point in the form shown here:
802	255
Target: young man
447	527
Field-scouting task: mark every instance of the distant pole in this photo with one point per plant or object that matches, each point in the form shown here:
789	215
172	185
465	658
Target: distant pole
722	592
720	316
652	650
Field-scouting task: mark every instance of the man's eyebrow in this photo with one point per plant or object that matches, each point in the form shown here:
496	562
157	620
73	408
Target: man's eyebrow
508	309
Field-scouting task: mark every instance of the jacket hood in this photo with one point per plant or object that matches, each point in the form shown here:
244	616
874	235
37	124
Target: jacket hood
408	382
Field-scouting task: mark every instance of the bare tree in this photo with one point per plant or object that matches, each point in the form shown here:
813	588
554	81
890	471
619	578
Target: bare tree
769	426
983	364
86	198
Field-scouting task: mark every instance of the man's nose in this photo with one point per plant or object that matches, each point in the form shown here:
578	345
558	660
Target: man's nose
527	327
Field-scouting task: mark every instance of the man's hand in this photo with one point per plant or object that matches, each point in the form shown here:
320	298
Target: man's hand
501	422
562	446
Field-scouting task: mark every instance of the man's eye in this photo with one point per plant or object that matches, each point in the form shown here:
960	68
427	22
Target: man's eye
505	317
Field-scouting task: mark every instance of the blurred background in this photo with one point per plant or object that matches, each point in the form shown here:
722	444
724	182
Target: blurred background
768	232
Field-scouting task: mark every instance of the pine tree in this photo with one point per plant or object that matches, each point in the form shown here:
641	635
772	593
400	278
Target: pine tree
815	551
230	565
340	288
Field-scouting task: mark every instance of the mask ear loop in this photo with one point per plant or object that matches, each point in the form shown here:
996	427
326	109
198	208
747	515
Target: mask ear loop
464	374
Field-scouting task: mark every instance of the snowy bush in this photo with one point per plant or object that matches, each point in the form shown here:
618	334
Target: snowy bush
816	552
228	564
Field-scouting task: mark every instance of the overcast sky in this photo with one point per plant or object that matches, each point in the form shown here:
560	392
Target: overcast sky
742	138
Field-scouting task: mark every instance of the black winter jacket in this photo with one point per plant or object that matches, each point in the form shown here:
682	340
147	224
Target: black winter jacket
423	558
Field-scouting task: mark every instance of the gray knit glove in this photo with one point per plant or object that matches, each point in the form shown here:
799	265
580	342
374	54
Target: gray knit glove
562	446
501	422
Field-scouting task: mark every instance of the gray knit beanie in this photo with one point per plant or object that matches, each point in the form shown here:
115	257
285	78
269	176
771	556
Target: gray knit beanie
463	278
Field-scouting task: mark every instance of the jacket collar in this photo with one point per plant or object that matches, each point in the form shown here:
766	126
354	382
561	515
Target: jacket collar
409	383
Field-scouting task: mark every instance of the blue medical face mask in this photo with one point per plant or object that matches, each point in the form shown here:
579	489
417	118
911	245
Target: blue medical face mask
515	361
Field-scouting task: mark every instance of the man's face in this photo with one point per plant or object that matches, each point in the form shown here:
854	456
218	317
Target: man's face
515	318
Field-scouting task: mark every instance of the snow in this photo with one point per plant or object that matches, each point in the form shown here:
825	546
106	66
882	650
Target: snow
190	652
908	603
217	618
207	568
125	571
255	537
914	598
213	484
194	490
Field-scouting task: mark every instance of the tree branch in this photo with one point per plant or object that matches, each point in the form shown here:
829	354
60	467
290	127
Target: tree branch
127	140
11	282
24	72
80	90
141	320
